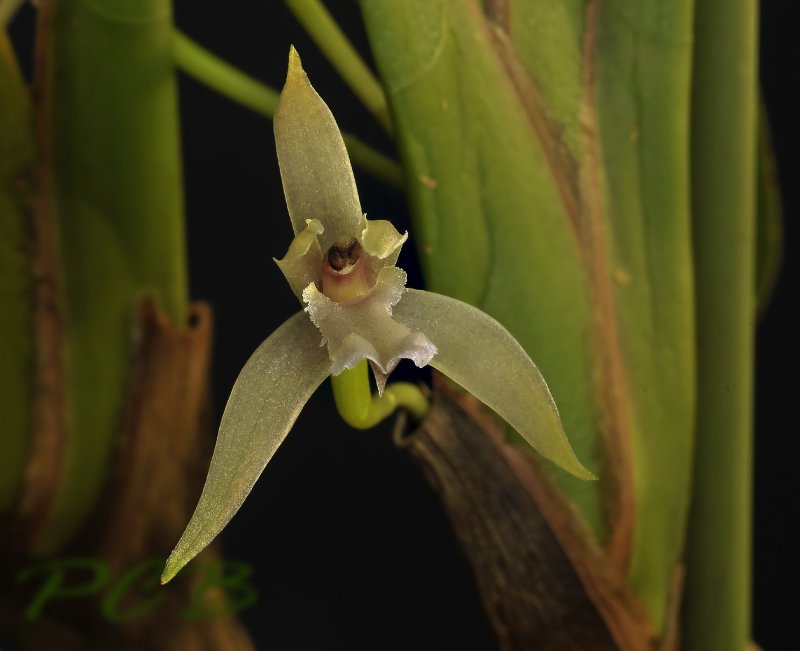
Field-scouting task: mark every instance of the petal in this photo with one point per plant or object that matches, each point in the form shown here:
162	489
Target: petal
302	262
382	240
364	328
483	357
265	401
315	168
382	243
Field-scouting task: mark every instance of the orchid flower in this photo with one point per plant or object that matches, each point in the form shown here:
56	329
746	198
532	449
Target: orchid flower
356	307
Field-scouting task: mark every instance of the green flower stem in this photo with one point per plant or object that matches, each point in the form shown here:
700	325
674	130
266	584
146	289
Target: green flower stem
362	410
199	63
343	56
8	9
209	69
718	559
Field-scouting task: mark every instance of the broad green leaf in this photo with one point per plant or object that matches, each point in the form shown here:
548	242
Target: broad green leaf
547	150
487	215
265	401
16	273
546	38
111	126
642	59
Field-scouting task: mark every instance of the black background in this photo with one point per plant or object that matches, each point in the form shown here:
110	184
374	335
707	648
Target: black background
349	547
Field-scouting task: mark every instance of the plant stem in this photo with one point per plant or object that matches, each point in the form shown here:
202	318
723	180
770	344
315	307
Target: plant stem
209	69
199	63
718	581
362	410
313	15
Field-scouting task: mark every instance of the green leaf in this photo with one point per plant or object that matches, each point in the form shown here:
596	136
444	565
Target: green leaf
16	274
547	40
642	63
546	150
111	128
489	222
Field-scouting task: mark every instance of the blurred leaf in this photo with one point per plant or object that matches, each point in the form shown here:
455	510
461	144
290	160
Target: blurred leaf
16	273
112	137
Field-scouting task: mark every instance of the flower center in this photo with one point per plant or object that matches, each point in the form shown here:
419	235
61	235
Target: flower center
344	254
343	271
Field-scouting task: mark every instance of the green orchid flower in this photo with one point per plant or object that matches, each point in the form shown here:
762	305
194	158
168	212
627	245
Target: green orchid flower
356	307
